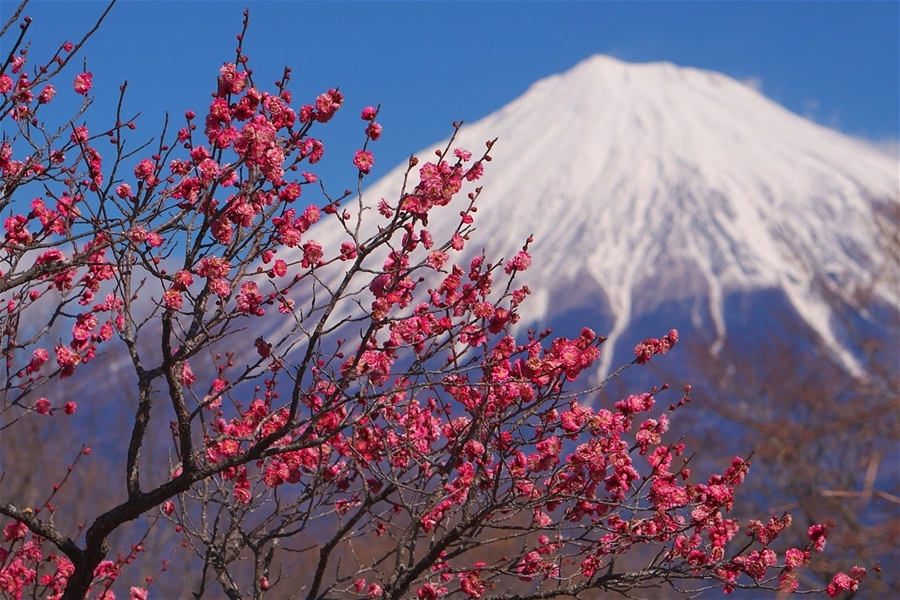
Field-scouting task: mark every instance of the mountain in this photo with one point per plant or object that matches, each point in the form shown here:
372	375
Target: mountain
651	184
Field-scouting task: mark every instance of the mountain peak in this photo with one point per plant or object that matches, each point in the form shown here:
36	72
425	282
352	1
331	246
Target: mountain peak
644	182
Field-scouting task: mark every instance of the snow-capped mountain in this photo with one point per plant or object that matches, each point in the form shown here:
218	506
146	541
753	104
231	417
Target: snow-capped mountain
651	182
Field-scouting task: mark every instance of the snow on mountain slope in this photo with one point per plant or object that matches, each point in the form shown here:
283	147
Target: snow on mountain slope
650	182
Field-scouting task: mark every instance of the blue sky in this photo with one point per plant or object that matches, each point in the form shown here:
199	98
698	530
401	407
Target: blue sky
429	63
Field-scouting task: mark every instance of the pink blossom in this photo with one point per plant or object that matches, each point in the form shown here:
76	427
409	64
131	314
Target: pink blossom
183	279
788	582
520	262
42	406
46	94
462	154
172	300
123	191
651	346
144	170
290	192
384	209
430	591
69	408
475	172
187	375
841	582
14	531
50	256
138	593
39	357
368	113
80	134
208	169
84	325
249	299
220	286
106	331
67	361
310	215
636	404
363	160
154	240
242	487
83	83
213	267
794	558
348	251
312	254
818	533
24	95
374	131
231	81
315	151
18	63
286	306
107	568
279	269
138	235
327	104
17	229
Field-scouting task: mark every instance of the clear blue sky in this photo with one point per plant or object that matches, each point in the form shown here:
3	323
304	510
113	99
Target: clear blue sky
430	63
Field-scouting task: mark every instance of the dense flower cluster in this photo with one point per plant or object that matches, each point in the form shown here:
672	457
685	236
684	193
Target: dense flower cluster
649	347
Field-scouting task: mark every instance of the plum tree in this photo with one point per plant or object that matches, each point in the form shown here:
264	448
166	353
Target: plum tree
363	407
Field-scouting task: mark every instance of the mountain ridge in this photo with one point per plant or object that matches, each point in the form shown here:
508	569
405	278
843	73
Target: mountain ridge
647	182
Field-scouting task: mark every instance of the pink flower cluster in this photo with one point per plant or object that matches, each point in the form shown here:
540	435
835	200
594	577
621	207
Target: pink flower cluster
25	570
438	184
651	346
846	583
